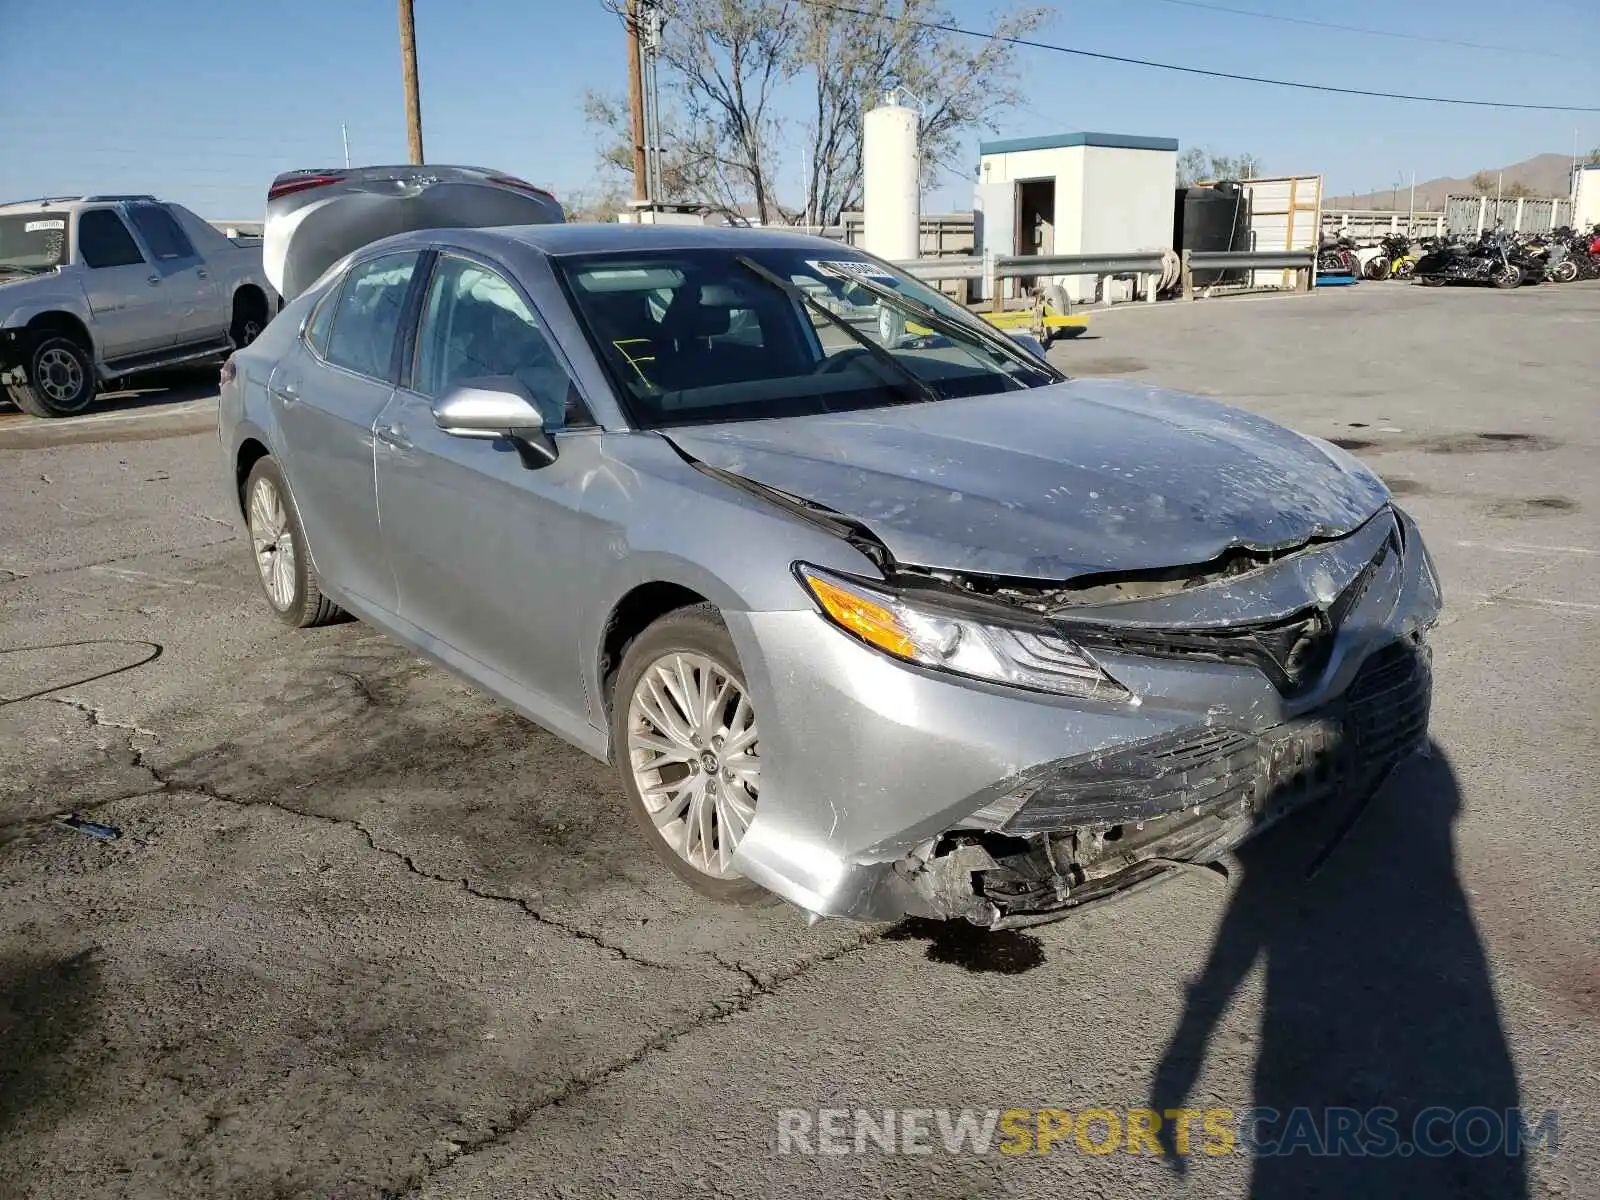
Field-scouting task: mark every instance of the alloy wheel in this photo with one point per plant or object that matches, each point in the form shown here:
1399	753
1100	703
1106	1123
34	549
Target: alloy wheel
272	539
693	747
59	375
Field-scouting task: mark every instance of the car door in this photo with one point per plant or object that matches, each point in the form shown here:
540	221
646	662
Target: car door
485	550
188	291
123	291
326	395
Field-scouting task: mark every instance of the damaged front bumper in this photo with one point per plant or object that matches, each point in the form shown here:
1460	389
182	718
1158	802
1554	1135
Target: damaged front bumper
890	790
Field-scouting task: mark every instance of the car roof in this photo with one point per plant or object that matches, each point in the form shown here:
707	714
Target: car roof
558	240
67	202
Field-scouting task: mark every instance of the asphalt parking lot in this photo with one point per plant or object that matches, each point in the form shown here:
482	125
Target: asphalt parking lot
364	933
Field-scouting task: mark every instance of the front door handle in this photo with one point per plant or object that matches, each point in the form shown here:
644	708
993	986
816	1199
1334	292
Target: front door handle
393	435
152	280
201	272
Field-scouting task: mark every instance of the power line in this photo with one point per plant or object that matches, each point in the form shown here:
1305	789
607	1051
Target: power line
1031	44
1388	33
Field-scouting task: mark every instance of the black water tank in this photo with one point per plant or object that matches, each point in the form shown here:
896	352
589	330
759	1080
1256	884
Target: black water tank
1214	218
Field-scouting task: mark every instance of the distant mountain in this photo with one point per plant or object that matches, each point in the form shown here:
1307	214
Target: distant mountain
1545	174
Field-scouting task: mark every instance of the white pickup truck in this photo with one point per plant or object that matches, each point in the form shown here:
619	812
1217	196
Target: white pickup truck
97	287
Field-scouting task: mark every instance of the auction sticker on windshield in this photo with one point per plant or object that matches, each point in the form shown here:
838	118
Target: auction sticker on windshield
40	226
851	267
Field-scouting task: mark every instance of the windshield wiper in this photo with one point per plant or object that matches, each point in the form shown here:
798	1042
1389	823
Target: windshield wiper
914	382
926	314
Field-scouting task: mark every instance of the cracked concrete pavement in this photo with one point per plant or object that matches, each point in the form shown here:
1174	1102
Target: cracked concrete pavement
363	933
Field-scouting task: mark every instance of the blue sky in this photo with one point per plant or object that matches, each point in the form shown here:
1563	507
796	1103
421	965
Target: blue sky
203	101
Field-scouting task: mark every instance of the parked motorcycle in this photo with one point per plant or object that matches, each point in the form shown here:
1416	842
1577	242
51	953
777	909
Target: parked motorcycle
1495	258
1394	260
1337	256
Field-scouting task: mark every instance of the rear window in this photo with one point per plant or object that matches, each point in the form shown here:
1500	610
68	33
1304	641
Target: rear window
367	316
724	334
160	232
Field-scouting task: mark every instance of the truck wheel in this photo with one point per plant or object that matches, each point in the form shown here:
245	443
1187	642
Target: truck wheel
249	319
61	379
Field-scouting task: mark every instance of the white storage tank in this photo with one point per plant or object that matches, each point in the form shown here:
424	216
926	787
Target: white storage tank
1076	193
891	181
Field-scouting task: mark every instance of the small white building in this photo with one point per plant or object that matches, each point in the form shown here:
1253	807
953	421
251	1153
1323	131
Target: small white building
1076	193
1586	196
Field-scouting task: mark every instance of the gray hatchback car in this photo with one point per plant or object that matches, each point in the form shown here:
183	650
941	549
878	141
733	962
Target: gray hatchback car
871	607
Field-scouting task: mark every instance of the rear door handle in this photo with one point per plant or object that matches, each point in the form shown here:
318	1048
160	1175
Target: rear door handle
153	280
287	392
393	435
201	272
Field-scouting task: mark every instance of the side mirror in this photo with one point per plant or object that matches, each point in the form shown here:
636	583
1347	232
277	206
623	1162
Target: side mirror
1029	343
493	409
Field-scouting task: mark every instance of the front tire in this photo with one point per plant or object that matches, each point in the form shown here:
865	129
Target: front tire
686	742
278	545
1377	268
1564	271
61	380
1507	277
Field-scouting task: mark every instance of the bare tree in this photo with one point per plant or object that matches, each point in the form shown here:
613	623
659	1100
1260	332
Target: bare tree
959	83
724	63
1517	190
1483	183
1592	157
1200	164
607	116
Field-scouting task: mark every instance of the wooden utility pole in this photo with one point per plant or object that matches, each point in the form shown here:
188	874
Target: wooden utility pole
630	19
408	71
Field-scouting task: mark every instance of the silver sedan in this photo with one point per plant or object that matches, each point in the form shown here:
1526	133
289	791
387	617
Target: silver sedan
871	607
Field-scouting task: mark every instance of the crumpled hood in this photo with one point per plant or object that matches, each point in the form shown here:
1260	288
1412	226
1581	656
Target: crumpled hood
1076	478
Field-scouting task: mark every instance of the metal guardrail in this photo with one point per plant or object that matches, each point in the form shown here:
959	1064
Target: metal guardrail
1149	263
1137	262
1302	262
1251	260
952	267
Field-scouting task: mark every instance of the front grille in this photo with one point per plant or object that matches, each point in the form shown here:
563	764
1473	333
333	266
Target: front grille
1388	702
1344	746
1292	651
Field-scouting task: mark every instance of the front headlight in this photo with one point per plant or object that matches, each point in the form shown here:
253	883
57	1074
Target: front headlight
1037	660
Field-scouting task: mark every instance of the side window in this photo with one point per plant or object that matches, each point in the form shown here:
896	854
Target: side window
367	315
475	325
322	320
104	241
161	233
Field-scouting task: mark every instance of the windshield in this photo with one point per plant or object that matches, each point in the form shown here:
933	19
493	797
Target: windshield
726	334
33	241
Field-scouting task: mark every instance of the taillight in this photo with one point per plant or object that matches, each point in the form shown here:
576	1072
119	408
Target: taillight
229	372
522	185
299	183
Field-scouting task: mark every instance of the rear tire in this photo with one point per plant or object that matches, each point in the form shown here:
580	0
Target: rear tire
249	319
278	544
1564	271
682	759
1430	280
61	381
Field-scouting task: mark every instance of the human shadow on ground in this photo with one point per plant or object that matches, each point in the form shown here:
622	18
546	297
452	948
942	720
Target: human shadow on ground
1377	997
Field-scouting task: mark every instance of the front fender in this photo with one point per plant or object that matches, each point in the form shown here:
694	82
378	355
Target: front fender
658	520
17	310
